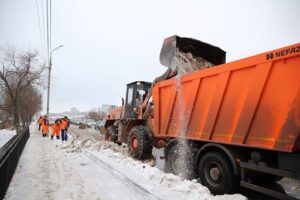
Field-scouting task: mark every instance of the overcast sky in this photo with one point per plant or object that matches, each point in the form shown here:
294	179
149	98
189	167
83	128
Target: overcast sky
110	43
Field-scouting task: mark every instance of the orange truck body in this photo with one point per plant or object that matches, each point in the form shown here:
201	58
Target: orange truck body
252	102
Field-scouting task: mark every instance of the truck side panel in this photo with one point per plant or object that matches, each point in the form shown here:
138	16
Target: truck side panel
252	102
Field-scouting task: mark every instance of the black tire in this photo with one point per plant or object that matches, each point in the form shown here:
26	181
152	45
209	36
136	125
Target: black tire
180	159
169	149
140	143
111	134
215	172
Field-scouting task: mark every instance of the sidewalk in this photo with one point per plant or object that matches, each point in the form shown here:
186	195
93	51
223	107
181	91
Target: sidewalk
46	171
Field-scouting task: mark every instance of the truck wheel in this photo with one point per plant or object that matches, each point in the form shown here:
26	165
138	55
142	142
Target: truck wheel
215	172
180	159
111	134
140	143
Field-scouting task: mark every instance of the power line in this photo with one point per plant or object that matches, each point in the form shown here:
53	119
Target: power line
39	21
50	25
47	13
44	32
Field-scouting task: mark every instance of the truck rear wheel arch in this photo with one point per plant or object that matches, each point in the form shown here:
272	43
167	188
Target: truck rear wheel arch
218	147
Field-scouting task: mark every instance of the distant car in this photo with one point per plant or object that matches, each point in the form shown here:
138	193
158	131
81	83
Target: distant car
82	125
91	124
99	124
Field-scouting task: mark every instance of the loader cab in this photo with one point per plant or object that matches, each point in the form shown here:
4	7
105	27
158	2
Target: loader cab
135	95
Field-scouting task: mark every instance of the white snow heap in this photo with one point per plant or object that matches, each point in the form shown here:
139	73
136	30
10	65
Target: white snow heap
187	63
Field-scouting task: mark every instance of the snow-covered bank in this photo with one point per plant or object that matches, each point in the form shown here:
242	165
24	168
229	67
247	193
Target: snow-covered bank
5	135
163	185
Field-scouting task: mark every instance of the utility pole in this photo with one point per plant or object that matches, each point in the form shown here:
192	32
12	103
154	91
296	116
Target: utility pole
49	78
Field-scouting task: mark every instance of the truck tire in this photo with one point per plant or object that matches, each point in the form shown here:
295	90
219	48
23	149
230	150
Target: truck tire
215	172
140	143
180	159
111	134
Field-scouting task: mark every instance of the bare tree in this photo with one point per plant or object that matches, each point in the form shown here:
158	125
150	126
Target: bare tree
30	103
95	116
20	71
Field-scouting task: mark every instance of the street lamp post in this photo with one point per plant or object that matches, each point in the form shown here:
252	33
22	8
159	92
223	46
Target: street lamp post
49	78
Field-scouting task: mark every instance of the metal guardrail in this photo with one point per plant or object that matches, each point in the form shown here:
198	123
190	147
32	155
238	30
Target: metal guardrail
9	158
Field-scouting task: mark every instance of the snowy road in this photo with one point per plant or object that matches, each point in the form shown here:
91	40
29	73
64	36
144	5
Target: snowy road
89	168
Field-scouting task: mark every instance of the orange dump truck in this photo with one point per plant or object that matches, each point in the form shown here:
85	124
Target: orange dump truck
253	102
230	124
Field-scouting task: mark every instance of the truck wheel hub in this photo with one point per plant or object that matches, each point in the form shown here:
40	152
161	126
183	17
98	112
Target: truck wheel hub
214	173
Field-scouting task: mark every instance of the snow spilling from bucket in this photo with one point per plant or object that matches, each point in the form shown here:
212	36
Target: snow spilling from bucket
185	63
183	148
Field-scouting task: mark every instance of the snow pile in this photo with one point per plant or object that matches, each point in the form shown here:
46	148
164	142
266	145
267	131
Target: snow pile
77	143
187	63
167	186
5	135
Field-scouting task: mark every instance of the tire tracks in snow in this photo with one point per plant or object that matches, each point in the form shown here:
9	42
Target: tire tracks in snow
147	195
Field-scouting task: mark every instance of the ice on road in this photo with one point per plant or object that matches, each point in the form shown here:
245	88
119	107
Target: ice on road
89	168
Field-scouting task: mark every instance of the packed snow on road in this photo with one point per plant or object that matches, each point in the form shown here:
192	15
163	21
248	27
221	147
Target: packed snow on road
87	167
6	135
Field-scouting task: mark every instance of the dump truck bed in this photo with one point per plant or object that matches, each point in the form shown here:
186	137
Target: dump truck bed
253	102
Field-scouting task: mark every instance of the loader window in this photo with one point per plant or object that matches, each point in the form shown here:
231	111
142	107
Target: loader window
129	97
140	97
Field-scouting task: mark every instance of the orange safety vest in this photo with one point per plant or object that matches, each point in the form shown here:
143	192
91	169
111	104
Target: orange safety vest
45	126
55	129
64	124
40	121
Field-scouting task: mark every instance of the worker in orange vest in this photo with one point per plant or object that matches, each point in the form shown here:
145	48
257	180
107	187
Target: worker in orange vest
45	126
40	121
55	129
68	124
64	127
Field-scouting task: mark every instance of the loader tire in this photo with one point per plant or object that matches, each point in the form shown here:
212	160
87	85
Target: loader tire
140	143
216	173
180	159
111	134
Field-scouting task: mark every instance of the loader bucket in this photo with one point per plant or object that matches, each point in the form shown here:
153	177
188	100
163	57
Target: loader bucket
168	53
